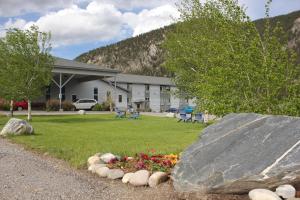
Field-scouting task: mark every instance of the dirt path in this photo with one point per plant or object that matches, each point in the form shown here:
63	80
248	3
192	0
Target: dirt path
26	175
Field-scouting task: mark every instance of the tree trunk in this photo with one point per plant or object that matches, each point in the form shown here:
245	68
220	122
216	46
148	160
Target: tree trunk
11	108
29	118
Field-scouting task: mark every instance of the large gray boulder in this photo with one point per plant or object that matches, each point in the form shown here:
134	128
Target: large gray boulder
239	153
16	127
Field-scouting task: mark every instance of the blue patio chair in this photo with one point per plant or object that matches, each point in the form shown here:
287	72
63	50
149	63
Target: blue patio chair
198	117
134	115
120	114
184	117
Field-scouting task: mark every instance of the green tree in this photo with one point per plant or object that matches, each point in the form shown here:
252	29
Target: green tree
219	57
25	64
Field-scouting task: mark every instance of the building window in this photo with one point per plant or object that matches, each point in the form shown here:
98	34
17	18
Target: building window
161	88
147	87
168	88
147	98
96	94
63	93
129	86
120	99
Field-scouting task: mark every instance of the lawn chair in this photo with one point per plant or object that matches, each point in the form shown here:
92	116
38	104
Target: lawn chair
184	117
120	114
198	118
134	115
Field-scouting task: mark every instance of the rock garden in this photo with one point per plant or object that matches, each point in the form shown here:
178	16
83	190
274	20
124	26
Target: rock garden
140	170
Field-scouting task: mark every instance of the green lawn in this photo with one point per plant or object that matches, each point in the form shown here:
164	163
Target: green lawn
75	138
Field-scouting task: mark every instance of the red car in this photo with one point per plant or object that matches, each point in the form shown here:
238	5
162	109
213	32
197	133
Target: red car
21	105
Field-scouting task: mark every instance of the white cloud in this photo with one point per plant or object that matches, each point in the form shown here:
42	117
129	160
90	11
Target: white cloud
129	5
148	20
97	22
75	25
18	23
10	8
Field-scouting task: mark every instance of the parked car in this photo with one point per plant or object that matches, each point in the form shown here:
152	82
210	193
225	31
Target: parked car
85	104
21	105
172	110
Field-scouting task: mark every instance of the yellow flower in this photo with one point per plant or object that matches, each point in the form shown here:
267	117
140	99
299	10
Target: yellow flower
172	157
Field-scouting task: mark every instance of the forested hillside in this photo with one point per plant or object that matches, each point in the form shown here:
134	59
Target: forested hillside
144	55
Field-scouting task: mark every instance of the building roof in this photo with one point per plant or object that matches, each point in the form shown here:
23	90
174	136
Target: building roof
71	64
139	79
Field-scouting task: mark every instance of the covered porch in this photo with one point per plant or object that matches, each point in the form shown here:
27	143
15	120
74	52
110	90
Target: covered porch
65	72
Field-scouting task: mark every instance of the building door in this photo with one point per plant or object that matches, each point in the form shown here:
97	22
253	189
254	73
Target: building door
74	97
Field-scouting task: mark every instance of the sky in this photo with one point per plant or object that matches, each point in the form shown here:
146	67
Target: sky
78	26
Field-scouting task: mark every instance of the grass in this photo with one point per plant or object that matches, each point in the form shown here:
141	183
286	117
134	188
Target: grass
75	138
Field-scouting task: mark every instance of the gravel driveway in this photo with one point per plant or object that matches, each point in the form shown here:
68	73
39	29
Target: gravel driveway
25	175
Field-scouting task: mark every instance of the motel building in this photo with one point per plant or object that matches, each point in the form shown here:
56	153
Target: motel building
75	80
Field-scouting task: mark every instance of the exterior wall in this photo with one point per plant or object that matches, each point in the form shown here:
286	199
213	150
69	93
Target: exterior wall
175	101
155	98
138	92
86	90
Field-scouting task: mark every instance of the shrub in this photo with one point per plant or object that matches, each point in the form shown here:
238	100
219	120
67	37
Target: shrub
38	105
106	106
97	107
68	106
4	105
52	105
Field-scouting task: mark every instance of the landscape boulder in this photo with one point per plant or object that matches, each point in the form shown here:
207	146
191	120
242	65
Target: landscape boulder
140	178
93	160
94	167
286	191
156	178
127	177
239	153
107	157
17	127
263	194
115	174
102	171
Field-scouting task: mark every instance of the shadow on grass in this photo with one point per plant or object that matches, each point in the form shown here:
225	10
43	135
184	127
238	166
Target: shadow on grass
74	120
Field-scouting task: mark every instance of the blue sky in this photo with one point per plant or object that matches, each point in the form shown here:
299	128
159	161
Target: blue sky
78	26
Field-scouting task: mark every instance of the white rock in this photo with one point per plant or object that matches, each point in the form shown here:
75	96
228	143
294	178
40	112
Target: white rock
171	115
102	172
157	178
286	191
127	177
263	194
93	167
16	127
107	157
130	158
93	160
115	174
81	112
140	178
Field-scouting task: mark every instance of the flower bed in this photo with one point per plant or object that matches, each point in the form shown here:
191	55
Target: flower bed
141	170
152	163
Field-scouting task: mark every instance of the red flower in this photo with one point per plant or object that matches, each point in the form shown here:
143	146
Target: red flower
155	159
144	156
124	159
167	163
140	165
112	161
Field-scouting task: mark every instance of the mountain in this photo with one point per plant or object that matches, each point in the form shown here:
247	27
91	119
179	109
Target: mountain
143	54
